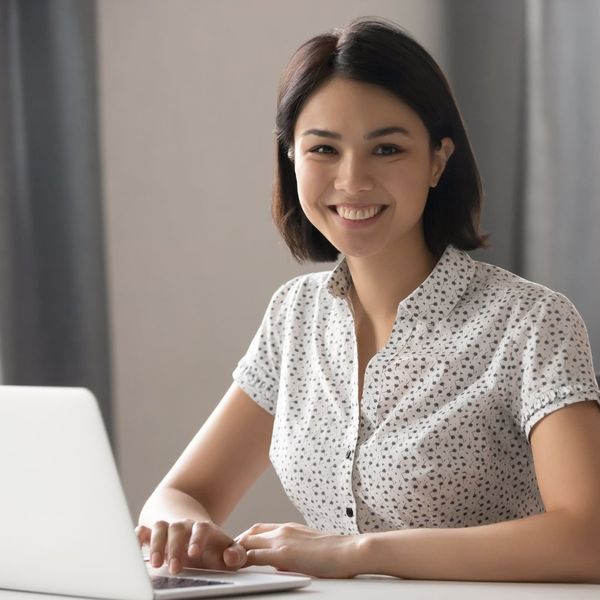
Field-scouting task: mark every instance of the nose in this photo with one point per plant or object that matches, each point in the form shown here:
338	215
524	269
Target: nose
352	177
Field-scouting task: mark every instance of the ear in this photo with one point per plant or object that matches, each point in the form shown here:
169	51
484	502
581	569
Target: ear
440	158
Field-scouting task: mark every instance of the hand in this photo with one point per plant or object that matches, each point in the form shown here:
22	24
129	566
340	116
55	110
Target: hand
295	547
188	543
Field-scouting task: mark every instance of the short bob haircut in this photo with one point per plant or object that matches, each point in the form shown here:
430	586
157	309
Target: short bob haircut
377	51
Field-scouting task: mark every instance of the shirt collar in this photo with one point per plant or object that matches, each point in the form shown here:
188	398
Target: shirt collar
431	301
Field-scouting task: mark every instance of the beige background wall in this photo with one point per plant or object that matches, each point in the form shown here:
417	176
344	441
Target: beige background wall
187	111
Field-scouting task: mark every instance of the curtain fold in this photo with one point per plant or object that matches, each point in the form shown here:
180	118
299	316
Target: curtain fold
562	198
485	44
53	301
525	77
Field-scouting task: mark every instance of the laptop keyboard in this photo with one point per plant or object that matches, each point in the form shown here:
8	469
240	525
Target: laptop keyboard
169	583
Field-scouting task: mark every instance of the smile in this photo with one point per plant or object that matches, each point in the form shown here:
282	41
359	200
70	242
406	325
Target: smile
362	214
357	217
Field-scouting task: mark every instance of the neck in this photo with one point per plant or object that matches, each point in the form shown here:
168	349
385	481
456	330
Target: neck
382	281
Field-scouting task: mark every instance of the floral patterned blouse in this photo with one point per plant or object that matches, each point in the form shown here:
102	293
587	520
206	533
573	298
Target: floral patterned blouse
440	438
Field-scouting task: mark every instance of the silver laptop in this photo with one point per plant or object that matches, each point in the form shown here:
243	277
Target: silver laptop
66	528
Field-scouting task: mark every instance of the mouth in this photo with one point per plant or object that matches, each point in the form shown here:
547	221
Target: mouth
356	213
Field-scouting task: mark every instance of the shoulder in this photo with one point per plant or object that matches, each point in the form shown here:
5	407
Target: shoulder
301	291
520	298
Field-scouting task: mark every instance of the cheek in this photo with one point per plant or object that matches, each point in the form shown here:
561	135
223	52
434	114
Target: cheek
312	185
409	177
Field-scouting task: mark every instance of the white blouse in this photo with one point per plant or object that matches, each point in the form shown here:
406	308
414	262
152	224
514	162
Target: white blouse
440	437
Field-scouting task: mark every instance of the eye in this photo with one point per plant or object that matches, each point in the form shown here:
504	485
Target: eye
389	150
395	149
316	149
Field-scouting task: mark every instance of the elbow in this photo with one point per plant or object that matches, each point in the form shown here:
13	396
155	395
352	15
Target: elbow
573	556
593	561
591	575
587	559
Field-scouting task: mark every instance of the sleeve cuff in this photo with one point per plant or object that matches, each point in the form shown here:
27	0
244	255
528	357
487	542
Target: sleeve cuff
547	402
257	386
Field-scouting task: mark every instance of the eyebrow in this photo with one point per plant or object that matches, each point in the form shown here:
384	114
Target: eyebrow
369	136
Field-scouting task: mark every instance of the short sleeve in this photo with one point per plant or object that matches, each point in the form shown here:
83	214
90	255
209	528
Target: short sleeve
257	372
557	367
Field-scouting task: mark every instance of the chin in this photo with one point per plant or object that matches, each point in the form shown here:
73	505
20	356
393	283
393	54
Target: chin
359	252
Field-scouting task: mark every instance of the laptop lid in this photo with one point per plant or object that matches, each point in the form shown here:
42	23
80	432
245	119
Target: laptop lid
66	524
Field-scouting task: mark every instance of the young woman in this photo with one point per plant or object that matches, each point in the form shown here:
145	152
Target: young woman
430	415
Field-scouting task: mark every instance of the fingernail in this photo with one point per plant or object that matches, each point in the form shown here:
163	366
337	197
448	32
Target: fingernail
232	556
173	566
155	560
240	553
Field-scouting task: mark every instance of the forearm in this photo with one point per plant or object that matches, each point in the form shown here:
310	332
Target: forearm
551	546
170	504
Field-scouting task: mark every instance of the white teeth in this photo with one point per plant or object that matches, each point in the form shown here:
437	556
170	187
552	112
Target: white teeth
358	215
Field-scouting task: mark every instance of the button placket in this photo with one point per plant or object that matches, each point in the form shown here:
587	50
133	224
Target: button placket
349	509
353	430
372	387
402	332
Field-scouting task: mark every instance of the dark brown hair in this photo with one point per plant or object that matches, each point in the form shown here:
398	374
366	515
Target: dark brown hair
377	51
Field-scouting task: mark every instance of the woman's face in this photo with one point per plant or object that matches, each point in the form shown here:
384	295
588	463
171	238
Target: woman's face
364	189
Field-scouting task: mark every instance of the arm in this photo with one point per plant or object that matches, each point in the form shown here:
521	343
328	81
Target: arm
181	521
222	461
562	544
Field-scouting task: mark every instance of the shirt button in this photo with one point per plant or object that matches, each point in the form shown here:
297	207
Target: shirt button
349	512
349	454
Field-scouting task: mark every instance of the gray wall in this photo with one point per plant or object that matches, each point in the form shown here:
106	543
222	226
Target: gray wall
187	103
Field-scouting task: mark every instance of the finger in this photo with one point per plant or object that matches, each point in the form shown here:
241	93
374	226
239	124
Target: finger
209	543
158	538
201	533
177	544
257	528
234	556
263	556
143	534
260	541
263	527
207	535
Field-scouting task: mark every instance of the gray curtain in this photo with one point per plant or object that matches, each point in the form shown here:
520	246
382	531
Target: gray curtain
561	192
53	307
486	45
525	77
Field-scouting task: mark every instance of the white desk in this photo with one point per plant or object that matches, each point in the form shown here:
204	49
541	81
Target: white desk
367	587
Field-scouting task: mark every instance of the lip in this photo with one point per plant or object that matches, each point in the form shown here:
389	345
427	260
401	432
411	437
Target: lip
356	206
357	224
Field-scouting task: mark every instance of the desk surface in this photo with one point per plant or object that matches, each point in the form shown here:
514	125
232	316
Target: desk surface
384	588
